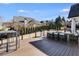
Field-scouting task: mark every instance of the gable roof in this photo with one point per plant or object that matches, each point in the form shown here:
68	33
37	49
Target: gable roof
74	11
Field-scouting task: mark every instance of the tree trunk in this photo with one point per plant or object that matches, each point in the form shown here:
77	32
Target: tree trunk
35	35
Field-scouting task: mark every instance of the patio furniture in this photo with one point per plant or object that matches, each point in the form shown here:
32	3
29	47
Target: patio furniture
7	35
49	35
2	37
73	38
56	35
63	37
53	35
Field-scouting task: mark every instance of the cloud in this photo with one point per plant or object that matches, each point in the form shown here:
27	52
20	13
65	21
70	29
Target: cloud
20	10
28	11
65	10
5	3
23	11
49	18
36	11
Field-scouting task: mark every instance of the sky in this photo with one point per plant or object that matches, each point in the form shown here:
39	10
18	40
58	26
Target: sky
39	11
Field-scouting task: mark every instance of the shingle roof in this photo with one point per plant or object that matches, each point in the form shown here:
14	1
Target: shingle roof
74	11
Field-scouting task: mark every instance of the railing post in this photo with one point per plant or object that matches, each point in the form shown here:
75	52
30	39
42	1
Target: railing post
16	41
7	45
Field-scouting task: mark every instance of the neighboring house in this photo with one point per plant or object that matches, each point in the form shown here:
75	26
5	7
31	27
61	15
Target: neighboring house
24	21
7	24
19	20
1	22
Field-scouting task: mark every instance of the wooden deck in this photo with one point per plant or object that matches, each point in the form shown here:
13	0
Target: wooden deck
57	48
45	47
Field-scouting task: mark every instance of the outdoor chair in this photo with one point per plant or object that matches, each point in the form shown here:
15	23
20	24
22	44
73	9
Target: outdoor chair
56	36
52	36
48	35
73	38
63	37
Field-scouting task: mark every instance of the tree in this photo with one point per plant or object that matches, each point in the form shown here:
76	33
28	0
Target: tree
41	21
58	24
63	19
64	24
47	22
41	27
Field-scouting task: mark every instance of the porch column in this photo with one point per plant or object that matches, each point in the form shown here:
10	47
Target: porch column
73	26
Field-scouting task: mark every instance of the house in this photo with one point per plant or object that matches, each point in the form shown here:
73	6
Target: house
24	21
21	21
1	22
74	17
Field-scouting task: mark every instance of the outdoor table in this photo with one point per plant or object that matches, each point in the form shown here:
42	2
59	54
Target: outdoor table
61	36
64	33
68	33
7	36
61	33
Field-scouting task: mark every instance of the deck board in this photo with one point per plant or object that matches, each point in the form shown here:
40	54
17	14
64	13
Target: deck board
56	48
